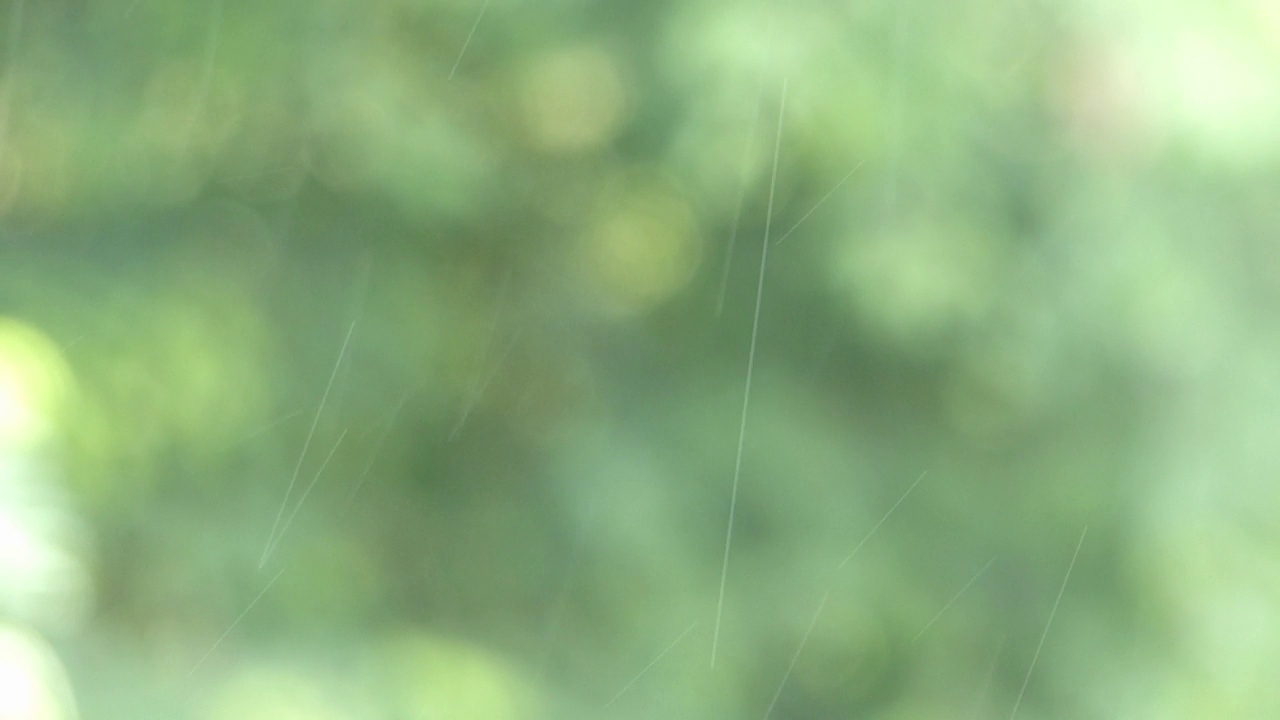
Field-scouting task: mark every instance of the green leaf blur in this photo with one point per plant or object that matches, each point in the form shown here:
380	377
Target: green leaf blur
387	360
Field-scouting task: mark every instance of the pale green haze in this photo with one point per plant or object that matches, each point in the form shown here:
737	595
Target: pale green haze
667	359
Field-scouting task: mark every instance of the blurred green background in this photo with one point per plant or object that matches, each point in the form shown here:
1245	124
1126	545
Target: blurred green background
387	359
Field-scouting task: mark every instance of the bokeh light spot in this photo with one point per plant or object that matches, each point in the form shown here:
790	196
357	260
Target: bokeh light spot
574	100
641	248
33	381
33	685
436	677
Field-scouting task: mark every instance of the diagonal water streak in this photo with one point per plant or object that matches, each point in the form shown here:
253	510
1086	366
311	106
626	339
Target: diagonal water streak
741	200
478	388
266	552
263	429
876	527
812	623
796	657
305	493
751	360
377	447
653	662
235	622
1054	611
953	599
467	43
731	245
819	204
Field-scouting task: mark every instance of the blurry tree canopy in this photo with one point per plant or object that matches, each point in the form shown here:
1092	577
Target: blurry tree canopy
459	296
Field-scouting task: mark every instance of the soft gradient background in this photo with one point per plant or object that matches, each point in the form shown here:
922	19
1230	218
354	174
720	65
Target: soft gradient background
473	329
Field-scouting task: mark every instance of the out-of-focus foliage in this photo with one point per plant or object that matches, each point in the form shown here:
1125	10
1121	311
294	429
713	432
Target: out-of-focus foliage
386	359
